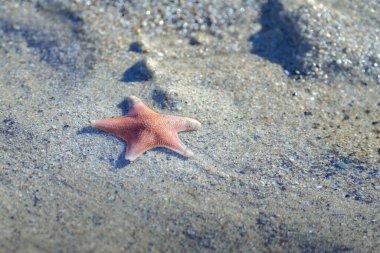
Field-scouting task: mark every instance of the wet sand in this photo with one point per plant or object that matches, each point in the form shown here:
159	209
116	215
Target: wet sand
287	159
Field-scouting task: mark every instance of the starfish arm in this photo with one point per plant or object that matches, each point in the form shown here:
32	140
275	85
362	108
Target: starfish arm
175	144
138	144
180	124
115	125
137	107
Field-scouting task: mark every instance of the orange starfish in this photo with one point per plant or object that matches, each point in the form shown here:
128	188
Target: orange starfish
144	129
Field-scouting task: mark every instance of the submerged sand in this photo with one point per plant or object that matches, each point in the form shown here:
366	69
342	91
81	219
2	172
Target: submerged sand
287	159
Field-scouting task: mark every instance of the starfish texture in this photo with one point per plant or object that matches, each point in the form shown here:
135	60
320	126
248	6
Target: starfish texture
144	129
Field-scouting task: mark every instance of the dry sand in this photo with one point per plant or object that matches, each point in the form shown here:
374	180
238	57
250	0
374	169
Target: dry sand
287	159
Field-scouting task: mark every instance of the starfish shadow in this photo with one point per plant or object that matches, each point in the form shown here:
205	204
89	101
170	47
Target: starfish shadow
170	153
90	130
123	106
120	162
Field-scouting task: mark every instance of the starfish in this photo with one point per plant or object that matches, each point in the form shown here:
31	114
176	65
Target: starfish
144	129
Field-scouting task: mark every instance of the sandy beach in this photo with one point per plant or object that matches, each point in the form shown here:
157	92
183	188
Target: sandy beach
287	159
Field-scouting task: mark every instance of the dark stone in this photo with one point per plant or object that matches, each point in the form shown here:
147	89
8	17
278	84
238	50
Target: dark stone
279	40
138	72
306	113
